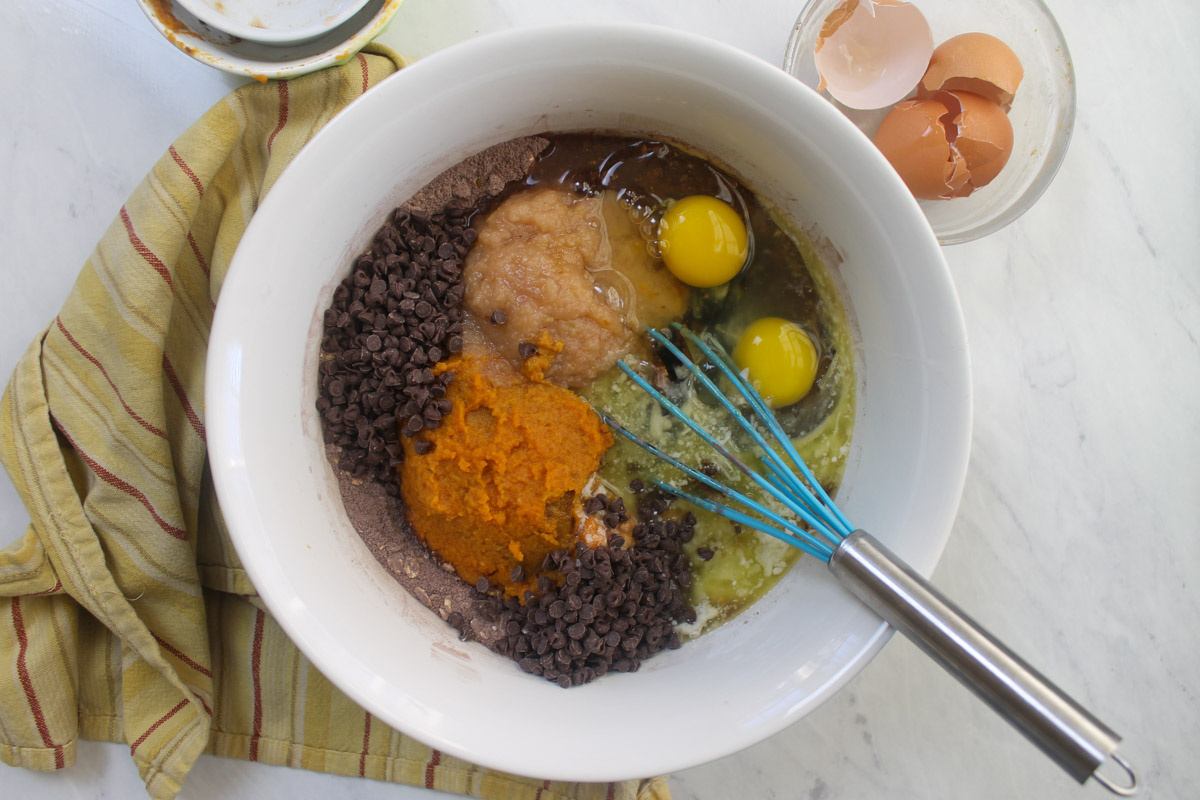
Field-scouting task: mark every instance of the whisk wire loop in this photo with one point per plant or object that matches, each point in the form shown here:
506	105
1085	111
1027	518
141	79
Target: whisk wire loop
817	550
788	499
789	478
792	534
720	358
829	530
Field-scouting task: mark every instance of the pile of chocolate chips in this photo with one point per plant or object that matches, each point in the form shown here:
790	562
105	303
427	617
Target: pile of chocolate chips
396	315
615	606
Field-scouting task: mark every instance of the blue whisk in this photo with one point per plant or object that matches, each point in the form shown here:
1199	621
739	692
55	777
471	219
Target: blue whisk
1064	730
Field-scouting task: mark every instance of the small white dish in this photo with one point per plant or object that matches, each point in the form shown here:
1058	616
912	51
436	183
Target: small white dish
217	48
274	21
726	690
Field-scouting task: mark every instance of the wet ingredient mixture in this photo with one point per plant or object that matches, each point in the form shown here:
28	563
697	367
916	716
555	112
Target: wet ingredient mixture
782	290
463	356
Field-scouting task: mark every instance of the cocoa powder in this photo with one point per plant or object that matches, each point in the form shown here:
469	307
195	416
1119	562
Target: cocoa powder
376	515
379	519
478	178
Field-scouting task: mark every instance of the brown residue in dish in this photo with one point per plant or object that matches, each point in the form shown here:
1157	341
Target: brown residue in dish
162	11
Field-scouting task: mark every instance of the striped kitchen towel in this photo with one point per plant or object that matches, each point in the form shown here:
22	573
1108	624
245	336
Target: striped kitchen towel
125	615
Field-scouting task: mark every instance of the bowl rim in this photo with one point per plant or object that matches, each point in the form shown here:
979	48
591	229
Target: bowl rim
224	448
1058	146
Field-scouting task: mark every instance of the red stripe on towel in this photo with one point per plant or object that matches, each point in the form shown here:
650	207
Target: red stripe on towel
83	352
165	645
199	256
156	726
362	62
362	759
181	393
186	169
145	252
434	760
283	113
39	718
118	483
256	679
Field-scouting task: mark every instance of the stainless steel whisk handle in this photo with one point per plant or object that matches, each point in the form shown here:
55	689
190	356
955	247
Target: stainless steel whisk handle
1063	729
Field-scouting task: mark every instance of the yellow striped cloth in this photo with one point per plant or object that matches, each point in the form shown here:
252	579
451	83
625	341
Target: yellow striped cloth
124	613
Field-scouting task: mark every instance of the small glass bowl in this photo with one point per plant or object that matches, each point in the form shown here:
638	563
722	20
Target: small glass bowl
1042	115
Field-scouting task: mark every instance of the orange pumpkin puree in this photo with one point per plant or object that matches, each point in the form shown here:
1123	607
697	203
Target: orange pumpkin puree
508	464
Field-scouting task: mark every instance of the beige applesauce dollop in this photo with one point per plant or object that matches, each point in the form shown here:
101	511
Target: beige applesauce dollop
574	267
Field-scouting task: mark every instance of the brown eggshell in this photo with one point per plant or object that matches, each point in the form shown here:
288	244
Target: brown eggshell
974	62
979	129
913	139
834	21
872	53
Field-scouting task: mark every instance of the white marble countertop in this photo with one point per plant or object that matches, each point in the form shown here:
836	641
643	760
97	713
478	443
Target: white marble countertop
1076	538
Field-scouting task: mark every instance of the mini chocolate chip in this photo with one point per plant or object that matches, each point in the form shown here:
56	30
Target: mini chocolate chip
499	317
413	426
526	350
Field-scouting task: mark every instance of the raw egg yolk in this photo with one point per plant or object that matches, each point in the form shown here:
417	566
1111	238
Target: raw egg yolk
781	360
703	241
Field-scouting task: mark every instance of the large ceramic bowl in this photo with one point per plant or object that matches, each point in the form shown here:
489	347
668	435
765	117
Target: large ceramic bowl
726	690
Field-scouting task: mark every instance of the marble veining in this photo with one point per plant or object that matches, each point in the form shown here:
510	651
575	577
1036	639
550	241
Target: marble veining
1075	540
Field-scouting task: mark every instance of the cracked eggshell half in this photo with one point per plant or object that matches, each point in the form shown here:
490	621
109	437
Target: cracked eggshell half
913	139
872	53
974	62
984	136
946	145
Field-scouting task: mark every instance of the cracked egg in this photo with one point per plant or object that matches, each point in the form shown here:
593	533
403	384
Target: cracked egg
946	145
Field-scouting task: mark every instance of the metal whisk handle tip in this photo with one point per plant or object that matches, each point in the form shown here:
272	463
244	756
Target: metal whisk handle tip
1063	729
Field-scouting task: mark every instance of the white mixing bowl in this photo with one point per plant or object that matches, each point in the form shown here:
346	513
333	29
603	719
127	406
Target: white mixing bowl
726	690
